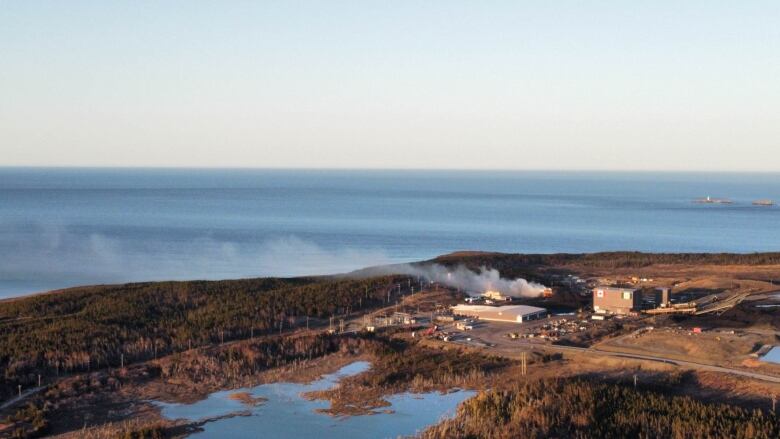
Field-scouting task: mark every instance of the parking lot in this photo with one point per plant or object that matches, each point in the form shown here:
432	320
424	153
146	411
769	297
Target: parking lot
507	334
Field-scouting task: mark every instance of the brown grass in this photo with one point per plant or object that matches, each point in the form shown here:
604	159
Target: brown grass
247	399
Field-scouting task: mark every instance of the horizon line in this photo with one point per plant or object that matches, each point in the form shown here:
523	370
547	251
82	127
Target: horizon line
389	169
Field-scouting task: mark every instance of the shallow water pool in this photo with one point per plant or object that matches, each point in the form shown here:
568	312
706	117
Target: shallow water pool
286	414
773	356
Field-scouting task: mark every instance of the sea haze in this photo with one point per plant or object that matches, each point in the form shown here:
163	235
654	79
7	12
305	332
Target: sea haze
66	227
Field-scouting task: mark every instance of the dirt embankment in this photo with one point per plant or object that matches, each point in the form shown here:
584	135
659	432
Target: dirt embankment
715	347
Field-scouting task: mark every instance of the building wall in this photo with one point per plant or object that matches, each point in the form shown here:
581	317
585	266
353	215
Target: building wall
532	316
616	300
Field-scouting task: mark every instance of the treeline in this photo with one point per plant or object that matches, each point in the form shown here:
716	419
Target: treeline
84	329
502	261
583	409
398	362
223	366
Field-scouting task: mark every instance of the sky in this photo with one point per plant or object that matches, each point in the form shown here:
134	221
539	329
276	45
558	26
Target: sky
602	85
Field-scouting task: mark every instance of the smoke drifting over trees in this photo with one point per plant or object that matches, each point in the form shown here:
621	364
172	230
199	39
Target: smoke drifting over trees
465	279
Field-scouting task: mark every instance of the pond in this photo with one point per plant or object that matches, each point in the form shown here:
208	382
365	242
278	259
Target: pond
773	356
286	414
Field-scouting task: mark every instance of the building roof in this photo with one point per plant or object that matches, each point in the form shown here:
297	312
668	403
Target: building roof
616	289
508	311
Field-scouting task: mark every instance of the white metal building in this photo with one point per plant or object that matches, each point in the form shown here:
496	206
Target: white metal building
512	313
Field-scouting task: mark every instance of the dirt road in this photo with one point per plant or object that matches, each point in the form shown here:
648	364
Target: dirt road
16	399
514	352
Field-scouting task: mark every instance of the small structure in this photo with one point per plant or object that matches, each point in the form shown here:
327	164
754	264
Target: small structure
403	318
463	326
616	300
395	319
663	298
512	313
496	296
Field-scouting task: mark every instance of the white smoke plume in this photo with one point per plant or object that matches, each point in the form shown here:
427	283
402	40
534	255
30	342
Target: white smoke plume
45	257
461	277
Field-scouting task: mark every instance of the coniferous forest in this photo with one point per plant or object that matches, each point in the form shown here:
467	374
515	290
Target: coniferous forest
586	409
89	328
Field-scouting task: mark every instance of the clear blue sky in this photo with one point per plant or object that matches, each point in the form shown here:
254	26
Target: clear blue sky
678	85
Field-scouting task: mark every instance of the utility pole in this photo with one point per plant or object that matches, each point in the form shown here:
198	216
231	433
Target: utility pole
39	381
20	390
635	381
121	361
523	364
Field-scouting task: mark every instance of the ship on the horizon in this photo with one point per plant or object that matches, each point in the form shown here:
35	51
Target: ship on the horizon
711	200
764	202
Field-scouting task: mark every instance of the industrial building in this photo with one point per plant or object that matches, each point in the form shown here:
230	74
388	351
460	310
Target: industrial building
513	313
618	300
496	296
662	297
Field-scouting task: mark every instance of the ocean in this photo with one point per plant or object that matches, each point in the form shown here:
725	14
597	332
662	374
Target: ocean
66	227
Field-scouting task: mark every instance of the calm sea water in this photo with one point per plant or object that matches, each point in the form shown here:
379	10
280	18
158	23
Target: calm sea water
286	414
65	227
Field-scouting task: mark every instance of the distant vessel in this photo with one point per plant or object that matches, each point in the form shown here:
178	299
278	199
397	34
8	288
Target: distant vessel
710	200
763	203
